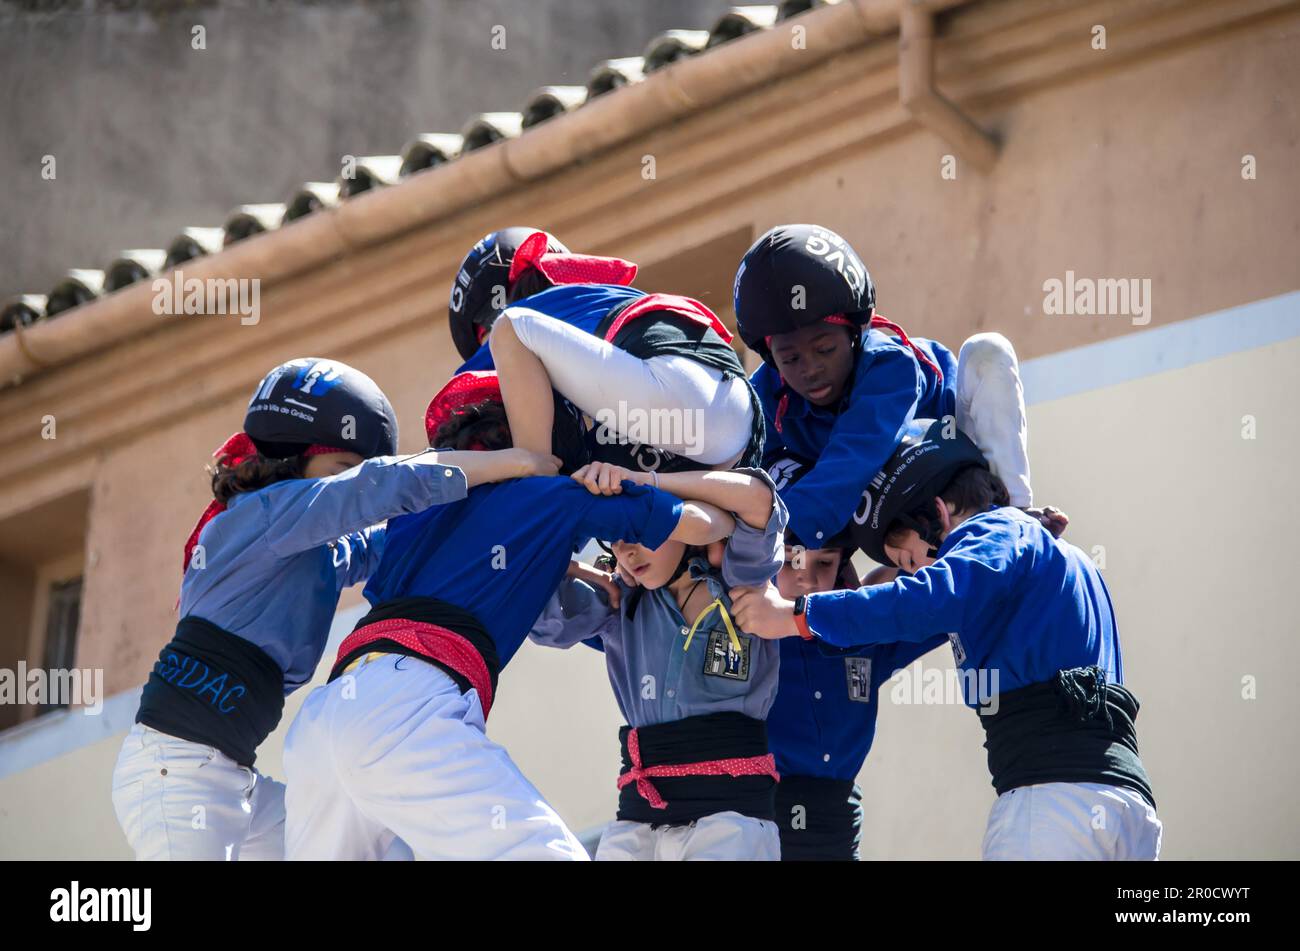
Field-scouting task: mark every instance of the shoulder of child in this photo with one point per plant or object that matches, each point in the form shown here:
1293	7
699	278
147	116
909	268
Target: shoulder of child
1002	525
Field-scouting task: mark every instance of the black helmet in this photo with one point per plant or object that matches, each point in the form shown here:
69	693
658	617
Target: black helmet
315	402
926	460
786	471
485	269
795	276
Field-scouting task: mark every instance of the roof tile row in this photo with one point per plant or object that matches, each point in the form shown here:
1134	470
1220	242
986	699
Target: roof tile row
426	150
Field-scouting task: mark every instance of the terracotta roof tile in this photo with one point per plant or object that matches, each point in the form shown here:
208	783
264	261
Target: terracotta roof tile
424	151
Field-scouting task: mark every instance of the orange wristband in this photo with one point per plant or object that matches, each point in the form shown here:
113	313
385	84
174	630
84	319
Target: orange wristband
801	622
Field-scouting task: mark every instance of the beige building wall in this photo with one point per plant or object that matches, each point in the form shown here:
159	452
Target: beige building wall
1125	163
1191	519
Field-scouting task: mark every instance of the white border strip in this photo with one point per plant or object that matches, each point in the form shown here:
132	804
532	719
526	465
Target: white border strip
1171	347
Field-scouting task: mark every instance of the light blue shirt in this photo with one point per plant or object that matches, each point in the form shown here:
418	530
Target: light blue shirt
657	677
276	560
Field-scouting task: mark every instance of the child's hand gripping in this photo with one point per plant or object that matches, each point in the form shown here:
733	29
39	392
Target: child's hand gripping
763	611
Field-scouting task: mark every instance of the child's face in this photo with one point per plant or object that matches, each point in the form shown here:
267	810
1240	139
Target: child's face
815	361
907	550
807	571
330	463
649	567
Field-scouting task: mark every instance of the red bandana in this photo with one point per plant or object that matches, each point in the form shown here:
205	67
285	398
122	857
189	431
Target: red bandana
463	389
563	268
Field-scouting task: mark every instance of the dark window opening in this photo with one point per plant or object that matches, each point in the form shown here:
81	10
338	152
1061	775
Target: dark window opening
62	620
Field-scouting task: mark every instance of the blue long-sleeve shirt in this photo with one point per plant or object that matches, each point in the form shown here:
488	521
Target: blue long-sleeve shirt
660	672
824	719
1019	605
276	560
501	552
580	305
890	388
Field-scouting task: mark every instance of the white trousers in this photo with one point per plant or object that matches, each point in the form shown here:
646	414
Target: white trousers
1072	822
991	410
394	750
178	800
694	412
725	836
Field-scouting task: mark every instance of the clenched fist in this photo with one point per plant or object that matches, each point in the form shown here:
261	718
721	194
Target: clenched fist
763	611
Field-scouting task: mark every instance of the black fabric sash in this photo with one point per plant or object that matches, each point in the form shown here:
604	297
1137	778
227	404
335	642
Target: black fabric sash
820	819
215	688
1075	728
711	736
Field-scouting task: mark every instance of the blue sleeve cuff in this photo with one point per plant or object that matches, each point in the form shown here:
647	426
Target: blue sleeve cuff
443	483
665	511
753	556
826	619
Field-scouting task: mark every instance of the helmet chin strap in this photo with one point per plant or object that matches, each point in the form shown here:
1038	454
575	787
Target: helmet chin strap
683	565
927	530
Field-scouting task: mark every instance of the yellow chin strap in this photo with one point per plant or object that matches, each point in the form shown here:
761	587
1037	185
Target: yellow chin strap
721	608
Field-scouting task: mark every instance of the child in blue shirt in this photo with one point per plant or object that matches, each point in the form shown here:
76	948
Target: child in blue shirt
1027	614
297	495
840	384
698	778
395	745
823	722
648	369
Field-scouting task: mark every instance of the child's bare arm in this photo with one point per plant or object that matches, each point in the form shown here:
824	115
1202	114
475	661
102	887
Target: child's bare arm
525	389
702	524
750	498
494	466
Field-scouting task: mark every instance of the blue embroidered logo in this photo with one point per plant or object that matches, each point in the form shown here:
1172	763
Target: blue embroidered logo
190	673
317	379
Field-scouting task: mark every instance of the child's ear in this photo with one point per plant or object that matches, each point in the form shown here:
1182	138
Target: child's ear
715	551
945	516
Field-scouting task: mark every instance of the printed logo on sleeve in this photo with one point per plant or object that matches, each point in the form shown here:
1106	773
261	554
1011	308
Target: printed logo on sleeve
858	672
784	471
723	660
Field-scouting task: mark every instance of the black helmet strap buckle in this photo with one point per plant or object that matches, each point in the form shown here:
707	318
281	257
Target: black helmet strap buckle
926	526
